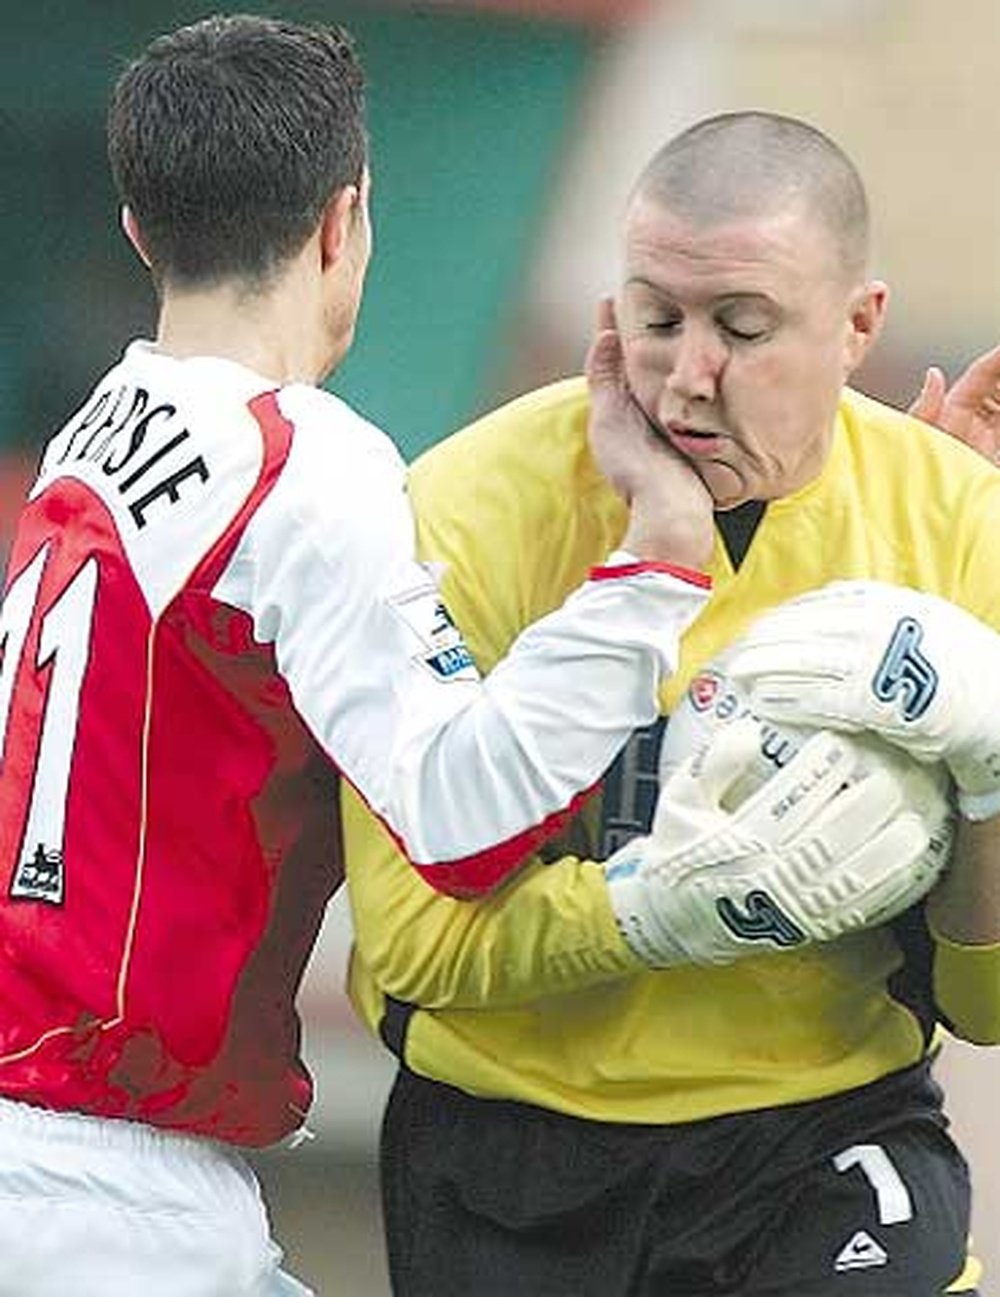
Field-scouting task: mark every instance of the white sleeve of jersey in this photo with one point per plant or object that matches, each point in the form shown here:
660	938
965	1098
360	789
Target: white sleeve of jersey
462	769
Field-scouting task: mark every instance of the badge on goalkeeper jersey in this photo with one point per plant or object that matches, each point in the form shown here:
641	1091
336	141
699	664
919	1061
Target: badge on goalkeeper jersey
713	701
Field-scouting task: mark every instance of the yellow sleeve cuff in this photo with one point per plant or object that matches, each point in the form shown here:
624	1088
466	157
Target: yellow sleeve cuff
967	989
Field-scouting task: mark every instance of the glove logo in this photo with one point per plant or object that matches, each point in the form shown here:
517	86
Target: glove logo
905	673
704	690
761	919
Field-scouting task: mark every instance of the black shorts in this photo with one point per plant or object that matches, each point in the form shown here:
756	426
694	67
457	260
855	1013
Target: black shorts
861	1195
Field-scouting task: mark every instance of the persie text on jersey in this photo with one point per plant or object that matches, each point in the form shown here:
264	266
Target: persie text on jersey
129	436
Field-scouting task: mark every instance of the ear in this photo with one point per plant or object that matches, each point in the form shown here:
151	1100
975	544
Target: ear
335	224
134	235
867	315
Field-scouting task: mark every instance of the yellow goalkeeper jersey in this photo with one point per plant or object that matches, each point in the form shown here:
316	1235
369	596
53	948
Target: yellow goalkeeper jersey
530	993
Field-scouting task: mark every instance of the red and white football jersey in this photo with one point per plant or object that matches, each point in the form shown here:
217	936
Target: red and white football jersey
213	608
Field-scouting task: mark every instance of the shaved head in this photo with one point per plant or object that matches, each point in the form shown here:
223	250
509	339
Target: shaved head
750	164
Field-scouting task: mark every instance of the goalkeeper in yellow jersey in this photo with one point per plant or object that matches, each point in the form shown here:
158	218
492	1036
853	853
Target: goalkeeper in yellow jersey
590	1104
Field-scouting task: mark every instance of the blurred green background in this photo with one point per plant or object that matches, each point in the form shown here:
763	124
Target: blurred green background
467	117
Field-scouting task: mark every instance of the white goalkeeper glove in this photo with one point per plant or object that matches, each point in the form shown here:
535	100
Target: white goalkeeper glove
913	668
829	845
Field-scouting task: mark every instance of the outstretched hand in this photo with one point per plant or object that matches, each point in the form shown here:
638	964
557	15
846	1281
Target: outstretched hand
969	410
670	507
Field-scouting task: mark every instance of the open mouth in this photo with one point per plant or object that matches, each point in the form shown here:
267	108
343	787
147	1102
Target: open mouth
697	443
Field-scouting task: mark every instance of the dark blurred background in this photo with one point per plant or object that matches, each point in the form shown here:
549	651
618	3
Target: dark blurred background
505	136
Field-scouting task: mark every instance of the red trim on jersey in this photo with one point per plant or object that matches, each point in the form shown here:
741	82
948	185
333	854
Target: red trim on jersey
470	876
474	875
611	572
276	436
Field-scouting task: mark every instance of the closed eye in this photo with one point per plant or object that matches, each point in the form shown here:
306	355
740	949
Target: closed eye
744	335
661	326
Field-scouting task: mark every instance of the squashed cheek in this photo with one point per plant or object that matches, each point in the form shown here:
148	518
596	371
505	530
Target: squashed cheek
644	386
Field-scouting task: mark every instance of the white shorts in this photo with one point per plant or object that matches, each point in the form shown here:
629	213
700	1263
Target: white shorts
95	1208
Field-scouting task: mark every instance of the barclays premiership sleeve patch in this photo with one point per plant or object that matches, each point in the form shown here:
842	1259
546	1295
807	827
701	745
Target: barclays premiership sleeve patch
438	643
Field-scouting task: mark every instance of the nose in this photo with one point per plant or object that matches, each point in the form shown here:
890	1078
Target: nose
697	362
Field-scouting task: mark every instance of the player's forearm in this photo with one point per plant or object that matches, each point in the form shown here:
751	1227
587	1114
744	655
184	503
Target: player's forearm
547	722
550	931
965	906
964	916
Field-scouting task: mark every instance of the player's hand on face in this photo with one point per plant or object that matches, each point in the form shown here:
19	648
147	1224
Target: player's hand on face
832	843
969	410
913	668
670	508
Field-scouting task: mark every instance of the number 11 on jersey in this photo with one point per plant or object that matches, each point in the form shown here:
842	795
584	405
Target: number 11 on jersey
45	650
